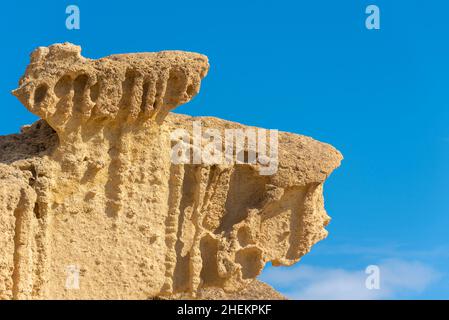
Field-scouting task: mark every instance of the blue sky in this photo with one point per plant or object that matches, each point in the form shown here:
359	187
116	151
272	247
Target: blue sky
310	67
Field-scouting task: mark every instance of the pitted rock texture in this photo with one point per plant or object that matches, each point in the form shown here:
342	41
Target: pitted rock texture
92	185
71	92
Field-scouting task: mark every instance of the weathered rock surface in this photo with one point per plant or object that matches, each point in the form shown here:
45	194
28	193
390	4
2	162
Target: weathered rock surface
93	185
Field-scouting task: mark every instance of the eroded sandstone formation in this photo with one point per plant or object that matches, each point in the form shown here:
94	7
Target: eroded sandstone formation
93	186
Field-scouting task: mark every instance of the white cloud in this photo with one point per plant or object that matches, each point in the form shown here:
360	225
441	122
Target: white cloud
397	277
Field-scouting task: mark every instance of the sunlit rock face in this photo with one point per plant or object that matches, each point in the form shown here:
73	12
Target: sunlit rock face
93	204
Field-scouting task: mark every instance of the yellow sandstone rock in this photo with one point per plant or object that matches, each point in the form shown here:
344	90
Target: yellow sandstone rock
93	206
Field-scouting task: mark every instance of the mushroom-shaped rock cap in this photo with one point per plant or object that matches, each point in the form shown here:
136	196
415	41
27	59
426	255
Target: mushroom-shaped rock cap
68	90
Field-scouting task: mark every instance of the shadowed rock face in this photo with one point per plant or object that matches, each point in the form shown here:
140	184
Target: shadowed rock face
92	187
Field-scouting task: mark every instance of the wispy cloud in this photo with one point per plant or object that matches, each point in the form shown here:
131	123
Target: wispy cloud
397	277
